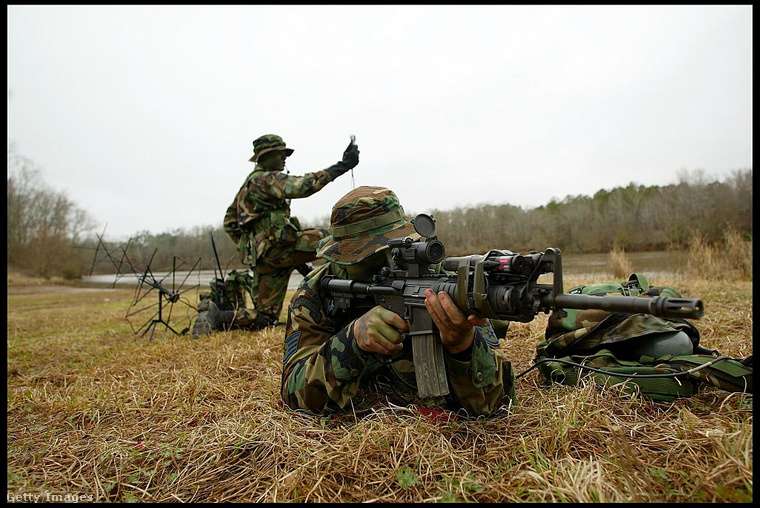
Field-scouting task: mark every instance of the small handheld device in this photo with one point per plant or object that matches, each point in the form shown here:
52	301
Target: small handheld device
353	185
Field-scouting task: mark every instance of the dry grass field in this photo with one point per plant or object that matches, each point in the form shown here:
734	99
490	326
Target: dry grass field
97	413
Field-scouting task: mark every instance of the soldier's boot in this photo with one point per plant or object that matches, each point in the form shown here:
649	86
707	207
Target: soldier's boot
262	321
304	269
210	318
251	319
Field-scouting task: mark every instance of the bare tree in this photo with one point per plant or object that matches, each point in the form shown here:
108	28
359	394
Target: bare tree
44	226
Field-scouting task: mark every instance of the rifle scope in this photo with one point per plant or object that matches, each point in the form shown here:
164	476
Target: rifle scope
430	252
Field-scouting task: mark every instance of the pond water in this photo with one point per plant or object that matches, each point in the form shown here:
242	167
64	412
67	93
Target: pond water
651	264
180	281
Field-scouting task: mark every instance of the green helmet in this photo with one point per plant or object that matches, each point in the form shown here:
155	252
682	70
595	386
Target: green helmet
656	345
361	224
268	143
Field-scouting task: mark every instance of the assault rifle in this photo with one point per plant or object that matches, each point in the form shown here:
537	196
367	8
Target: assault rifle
500	285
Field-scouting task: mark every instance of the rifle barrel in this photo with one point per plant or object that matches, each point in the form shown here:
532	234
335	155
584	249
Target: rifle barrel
661	306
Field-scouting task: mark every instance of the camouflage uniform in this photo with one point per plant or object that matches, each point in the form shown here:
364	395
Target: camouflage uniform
269	240
324	368
228	296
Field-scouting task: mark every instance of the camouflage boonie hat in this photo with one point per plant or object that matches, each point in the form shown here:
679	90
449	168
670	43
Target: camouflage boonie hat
362	223
268	143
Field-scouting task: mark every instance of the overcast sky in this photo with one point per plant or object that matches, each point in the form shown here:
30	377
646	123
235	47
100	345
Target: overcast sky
145	115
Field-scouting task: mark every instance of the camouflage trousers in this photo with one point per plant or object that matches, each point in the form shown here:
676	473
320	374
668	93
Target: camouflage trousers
273	269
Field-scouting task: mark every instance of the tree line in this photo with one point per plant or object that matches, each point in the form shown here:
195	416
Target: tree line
634	218
49	235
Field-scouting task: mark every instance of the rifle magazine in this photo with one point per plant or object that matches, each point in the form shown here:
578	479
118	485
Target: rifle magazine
429	366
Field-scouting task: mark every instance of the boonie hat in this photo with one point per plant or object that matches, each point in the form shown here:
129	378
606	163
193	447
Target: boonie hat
362	223
268	143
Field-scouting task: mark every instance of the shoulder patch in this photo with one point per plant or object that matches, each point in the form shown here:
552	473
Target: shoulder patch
489	335
291	346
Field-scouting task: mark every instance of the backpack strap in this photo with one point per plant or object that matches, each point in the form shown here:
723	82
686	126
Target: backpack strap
605	369
652	377
723	372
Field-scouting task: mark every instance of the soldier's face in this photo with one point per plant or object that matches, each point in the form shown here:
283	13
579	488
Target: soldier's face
369	267
274	161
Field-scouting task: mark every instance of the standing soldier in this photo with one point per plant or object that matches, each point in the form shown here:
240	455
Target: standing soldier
268	239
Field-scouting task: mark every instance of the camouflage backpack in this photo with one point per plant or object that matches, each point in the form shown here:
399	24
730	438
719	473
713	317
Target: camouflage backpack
658	357
229	294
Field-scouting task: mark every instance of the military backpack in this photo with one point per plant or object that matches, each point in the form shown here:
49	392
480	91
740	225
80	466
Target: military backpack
229	293
660	358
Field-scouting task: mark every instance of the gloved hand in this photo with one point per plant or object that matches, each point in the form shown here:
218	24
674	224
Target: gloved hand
380	331
337	169
351	155
350	160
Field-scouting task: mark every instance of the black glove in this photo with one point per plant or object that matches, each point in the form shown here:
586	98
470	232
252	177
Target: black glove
350	160
304	269
351	155
337	169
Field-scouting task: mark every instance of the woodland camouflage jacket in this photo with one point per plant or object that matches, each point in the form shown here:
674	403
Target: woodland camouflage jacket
259	216
324	368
